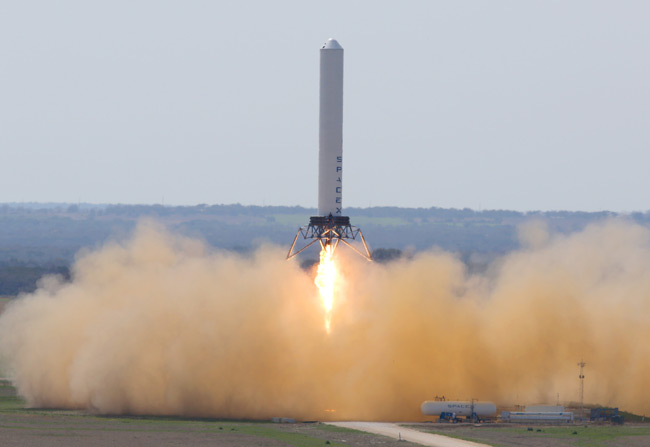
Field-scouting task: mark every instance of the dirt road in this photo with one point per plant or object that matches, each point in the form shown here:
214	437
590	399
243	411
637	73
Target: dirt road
395	431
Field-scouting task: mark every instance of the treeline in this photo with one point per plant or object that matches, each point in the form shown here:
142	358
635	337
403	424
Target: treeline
37	239
16	278
136	211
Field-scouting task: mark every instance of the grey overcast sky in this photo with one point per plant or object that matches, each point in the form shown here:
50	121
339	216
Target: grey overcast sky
525	105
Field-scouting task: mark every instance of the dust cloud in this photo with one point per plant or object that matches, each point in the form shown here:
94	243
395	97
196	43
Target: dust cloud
160	324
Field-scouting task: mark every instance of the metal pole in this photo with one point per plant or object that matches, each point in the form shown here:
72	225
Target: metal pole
582	386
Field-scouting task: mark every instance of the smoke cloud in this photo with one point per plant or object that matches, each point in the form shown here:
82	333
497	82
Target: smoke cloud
160	324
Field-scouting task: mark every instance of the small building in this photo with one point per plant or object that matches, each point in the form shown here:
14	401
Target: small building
605	414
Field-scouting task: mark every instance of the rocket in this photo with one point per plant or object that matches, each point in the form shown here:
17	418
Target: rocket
330	130
330	227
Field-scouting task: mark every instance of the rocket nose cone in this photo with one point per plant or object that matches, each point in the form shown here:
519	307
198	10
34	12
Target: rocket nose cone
331	44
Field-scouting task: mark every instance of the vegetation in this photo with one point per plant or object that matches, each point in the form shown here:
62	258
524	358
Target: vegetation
20	278
44	423
9	401
634	418
386	254
41	424
574	435
40	239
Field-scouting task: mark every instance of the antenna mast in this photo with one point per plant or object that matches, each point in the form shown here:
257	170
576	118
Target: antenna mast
582	385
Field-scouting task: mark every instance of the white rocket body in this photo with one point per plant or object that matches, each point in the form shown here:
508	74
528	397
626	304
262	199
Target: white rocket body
330	149
330	226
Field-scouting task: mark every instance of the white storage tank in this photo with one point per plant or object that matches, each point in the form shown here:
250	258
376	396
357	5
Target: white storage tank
540	417
459	408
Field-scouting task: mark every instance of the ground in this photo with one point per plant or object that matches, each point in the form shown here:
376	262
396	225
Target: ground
40	427
518	435
20	426
61	429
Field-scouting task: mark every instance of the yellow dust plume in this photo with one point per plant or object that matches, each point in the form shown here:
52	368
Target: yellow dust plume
160	324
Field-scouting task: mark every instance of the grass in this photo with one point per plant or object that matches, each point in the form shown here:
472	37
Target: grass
9	402
76	423
586	436
592	435
451	434
294	439
335	429
261	430
73	423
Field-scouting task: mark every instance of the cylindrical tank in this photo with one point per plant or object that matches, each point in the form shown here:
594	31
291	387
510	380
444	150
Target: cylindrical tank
460	408
537	416
330	147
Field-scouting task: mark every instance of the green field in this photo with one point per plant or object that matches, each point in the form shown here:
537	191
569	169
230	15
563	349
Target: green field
25	426
578	435
33	426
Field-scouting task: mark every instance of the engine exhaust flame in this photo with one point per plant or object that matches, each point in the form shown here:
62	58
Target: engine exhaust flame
326	280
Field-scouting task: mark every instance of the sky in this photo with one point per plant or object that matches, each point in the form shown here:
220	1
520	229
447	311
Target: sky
535	105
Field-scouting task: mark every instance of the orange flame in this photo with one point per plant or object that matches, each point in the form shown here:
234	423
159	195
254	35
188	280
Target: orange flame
325	280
